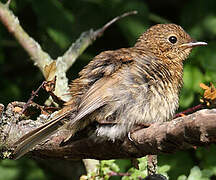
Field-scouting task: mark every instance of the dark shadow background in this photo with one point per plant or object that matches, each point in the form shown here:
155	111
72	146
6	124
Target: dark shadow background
55	24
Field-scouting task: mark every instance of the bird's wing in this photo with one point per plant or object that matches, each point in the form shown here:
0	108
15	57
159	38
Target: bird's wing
94	79
97	80
97	96
103	65
89	104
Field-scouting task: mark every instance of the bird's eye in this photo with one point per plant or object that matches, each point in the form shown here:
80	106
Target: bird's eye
173	39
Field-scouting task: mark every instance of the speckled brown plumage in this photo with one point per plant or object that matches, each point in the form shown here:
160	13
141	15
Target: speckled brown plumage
121	88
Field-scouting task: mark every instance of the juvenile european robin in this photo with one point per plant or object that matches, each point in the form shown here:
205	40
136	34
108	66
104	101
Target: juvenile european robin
122	88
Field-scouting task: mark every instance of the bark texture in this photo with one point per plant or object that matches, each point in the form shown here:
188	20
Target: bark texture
197	129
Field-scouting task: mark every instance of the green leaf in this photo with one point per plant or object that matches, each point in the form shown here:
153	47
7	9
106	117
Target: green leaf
136	174
182	177
195	174
107	166
142	163
163	169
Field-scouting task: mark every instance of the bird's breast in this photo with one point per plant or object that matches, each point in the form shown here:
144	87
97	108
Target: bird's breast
137	101
139	98
137	105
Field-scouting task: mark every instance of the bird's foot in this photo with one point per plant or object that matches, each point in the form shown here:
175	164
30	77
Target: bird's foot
136	128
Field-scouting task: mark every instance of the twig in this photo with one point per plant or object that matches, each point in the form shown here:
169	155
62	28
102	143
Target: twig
33	94
34	50
8	3
77	48
41	58
189	110
100	31
86	39
118	174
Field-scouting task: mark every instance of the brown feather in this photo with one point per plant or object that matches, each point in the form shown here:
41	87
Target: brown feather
122	88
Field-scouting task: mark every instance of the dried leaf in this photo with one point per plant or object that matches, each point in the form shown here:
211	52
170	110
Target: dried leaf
203	86
49	86
50	71
209	95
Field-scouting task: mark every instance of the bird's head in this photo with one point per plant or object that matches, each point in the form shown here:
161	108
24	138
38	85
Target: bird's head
168	41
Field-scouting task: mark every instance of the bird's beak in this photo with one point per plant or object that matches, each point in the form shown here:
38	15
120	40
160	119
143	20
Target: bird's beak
193	44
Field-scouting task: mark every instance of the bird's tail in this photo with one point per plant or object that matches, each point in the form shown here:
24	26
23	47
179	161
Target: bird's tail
28	141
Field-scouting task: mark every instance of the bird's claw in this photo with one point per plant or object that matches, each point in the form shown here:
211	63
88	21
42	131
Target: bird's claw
129	137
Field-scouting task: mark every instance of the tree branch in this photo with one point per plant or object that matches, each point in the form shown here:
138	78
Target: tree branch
34	50
86	39
42	59
47	66
197	129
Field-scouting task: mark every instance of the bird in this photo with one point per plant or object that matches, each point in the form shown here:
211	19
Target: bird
122	88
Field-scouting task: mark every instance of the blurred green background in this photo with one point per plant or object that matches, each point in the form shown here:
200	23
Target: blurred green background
55	24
